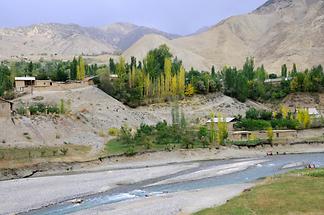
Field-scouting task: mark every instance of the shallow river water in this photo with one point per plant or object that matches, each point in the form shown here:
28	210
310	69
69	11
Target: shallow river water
268	166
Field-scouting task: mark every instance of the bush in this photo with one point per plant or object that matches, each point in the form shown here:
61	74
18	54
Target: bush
37	108
113	132
252	125
316	173
64	151
247	143
21	110
284	124
53	109
253	113
9	95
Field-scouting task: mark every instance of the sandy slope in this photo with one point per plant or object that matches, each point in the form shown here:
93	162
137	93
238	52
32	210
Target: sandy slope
93	112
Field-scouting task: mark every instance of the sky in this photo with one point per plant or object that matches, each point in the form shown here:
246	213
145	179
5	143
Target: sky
174	16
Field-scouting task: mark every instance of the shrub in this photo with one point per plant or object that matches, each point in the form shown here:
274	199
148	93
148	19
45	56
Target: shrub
247	143
21	110
113	132
284	124
9	95
37	108
53	109
64	151
130	151
316	173
252	125
253	113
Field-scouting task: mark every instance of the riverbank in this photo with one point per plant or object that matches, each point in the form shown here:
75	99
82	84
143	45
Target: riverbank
165	189
299	192
152	159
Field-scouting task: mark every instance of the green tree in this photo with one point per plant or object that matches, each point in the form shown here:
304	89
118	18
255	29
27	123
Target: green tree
212	130
248	68
284	71
81	69
6	83
73	69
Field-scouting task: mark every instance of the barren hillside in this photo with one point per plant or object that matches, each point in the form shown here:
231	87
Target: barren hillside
66	40
280	31
93	112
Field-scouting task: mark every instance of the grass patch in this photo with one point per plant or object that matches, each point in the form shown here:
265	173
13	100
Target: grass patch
249	143
299	192
22	154
116	147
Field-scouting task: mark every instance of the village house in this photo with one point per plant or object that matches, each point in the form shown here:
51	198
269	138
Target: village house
229	120
313	112
23	83
276	81
247	135
5	108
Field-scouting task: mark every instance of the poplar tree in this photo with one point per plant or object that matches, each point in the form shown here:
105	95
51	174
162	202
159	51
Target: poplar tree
162	80
168	77
80	69
182	77
174	87
212	131
147	85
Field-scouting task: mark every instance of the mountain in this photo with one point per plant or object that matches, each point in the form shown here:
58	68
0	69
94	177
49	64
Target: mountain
278	32
70	39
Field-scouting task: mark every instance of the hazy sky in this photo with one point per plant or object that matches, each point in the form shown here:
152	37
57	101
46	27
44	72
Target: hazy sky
174	16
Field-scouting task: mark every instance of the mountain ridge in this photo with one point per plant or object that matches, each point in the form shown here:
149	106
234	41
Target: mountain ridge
278	32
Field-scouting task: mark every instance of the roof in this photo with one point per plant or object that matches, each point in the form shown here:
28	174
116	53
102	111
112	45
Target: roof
25	78
275	80
227	119
3	100
113	75
313	111
242	132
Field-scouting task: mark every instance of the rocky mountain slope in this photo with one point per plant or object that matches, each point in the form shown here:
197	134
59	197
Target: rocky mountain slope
70	39
278	32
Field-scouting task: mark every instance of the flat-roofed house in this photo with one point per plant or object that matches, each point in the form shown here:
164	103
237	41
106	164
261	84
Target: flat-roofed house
21	83
229	120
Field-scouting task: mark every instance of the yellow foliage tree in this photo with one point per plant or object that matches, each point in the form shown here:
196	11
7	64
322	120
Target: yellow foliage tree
174	87
147	85
212	130
181	79
162	86
303	117
190	90
80	69
284	111
270	134
168	76
222	133
294	85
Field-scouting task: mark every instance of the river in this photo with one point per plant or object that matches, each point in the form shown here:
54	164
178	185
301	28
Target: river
204	174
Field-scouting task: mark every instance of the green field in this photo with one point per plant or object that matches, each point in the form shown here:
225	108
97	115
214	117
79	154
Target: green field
15	157
299	192
115	147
